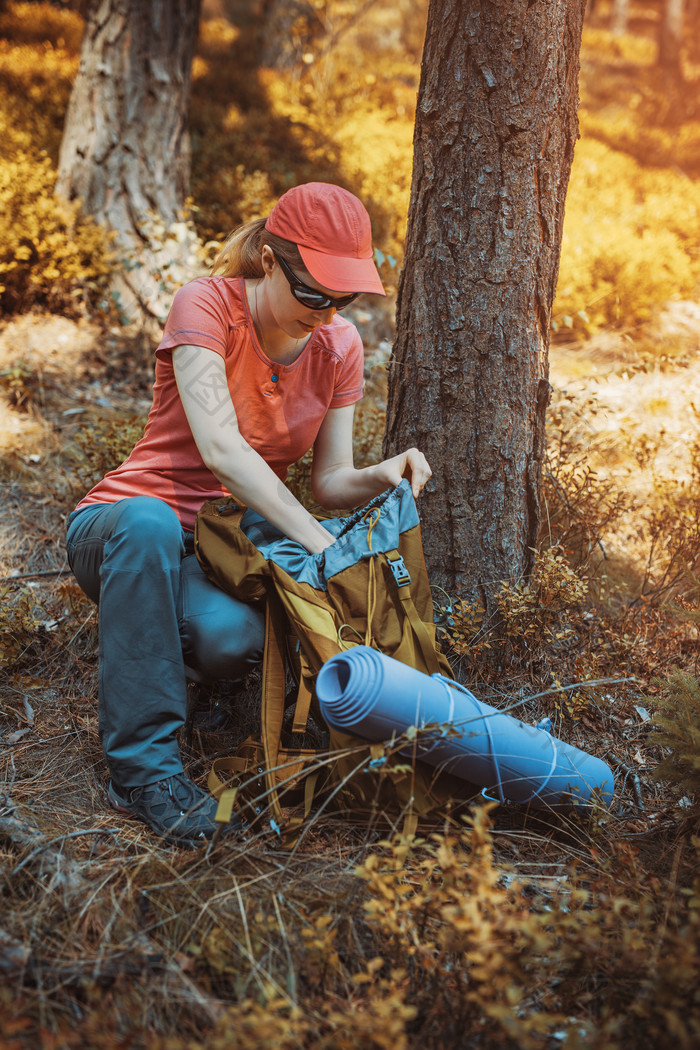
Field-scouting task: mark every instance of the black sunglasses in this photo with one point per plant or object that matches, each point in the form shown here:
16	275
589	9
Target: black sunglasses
310	297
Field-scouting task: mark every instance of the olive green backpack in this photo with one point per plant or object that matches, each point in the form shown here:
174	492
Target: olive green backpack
370	587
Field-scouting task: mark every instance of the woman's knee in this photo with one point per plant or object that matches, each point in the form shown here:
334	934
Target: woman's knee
146	517
221	636
133	534
145	530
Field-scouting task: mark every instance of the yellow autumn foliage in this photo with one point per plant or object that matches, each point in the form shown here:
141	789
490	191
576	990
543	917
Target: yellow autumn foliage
345	113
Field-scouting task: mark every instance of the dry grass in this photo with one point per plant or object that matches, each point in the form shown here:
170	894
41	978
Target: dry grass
112	939
515	930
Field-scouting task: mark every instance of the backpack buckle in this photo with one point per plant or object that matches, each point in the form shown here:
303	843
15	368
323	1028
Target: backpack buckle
401	573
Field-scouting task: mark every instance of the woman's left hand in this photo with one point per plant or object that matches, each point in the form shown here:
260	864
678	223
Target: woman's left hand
410	464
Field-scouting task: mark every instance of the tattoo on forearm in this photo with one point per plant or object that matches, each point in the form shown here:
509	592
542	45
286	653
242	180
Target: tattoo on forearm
187	356
208	387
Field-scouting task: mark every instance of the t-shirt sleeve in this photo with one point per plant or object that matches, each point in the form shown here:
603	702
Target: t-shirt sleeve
350	375
197	318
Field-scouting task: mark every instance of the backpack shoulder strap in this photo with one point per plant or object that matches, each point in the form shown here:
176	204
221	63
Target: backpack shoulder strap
426	641
273	693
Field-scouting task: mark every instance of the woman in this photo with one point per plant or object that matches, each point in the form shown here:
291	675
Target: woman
255	367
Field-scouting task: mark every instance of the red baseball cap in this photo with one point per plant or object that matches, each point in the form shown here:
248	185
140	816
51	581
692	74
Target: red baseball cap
332	231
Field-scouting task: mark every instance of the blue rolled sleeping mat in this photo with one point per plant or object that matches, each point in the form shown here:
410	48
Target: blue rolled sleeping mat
371	695
375	697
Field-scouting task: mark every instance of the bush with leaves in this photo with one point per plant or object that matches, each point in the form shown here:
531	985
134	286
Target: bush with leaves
18	624
676	727
516	963
51	256
100	447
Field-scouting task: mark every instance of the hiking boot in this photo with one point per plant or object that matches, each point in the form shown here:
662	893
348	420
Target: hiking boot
174	808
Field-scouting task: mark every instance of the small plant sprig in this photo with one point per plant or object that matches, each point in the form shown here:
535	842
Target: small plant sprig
676	726
18	624
100	447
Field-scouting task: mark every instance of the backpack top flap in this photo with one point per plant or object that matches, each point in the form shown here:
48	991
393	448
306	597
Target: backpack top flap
226	554
373	529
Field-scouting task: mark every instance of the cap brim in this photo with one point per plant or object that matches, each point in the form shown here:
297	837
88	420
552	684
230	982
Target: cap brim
340	274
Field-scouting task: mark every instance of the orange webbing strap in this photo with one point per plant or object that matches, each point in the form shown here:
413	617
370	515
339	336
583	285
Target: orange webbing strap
290	832
410	826
421	632
371	600
303	704
271	717
226	796
273	690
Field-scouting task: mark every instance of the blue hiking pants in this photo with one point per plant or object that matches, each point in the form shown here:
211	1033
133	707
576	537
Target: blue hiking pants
159	616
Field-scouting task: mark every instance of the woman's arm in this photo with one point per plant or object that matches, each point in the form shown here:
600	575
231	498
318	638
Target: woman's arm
230	458
337	483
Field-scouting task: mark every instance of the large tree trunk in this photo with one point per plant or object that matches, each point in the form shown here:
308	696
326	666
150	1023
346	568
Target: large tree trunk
125	150
494	140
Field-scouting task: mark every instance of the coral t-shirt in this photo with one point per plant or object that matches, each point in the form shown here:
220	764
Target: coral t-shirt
279	407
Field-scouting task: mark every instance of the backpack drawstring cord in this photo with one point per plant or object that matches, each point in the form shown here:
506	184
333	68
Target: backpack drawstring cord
373	515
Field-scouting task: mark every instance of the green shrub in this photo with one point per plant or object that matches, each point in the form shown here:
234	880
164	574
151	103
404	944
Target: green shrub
100	447
677	727
51	257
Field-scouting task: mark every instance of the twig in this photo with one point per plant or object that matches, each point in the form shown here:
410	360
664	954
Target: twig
573	510
52	842
291	972
36	575
85	621
334	37
548	692
636	786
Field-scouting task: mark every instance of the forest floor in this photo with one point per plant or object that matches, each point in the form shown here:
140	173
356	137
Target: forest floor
635	399
115	901
640	386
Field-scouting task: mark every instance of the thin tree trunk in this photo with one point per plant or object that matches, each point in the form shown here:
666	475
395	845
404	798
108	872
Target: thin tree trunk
289	29
619	17
125	149
671	39
494	140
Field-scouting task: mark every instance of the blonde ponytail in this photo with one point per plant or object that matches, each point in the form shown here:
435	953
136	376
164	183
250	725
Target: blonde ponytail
241	253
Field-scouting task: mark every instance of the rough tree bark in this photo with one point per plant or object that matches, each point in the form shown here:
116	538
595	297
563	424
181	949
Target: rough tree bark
494	140
125	150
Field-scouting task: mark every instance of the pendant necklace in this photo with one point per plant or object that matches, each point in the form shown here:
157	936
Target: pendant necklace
260	333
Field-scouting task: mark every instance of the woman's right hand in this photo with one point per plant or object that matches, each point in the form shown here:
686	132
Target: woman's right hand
410	464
